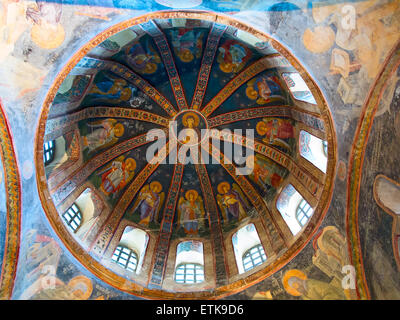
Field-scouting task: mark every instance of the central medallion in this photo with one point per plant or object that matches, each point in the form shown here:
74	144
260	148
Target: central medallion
189	127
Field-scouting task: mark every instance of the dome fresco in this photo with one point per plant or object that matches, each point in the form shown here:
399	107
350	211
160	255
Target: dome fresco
195	228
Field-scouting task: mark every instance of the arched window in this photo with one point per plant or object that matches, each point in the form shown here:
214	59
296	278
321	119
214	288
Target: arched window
189	262
303	212
298	87
295	210
253	257
131	249
248	249
126	258
189	273
314	150
73	217
49	149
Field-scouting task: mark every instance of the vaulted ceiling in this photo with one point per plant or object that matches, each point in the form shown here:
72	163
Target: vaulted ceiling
199	74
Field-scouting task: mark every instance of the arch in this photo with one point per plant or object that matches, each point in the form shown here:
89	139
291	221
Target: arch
131	249
97	267
189	263
290	205
298	87
247	245
12	185
313	149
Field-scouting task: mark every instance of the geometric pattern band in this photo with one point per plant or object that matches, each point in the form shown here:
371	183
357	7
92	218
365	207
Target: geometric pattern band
206	64
63	124
161	41
161	250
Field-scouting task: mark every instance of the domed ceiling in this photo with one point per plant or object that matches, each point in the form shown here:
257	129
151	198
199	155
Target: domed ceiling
172	72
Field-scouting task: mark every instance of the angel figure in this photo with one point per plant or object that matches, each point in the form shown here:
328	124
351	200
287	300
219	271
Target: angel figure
263	172
232	202
263	89
187	44
106	133
275	130
115	177
149	202
142	60
232	56
191	212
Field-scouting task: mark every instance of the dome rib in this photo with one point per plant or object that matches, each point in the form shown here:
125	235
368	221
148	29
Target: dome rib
241	103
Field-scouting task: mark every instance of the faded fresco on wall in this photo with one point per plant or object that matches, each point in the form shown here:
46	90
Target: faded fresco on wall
3	215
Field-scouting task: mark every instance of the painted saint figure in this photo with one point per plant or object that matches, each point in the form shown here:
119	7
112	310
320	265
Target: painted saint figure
232	202
296	283
193	134
232	56
142	59
106	133
263	173
264	89
149	202
191	212
187	44
117	176
275	130
112	90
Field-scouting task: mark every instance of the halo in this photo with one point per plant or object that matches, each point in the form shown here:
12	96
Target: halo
150	68
77	283
131	162
194	192
226	67
127	97
192	115
156	185
251	93
48	36
119	130
221	185
186	58
250	161
290	274
260	128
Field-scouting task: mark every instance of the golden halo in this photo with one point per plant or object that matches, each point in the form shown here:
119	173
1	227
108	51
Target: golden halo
156	186
194	192
290	274
190	115
226	67
319	40
126	94
48	36
186	55
119	130
150	68
221	185
76	283
250	161
131	163
251	93
261	128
